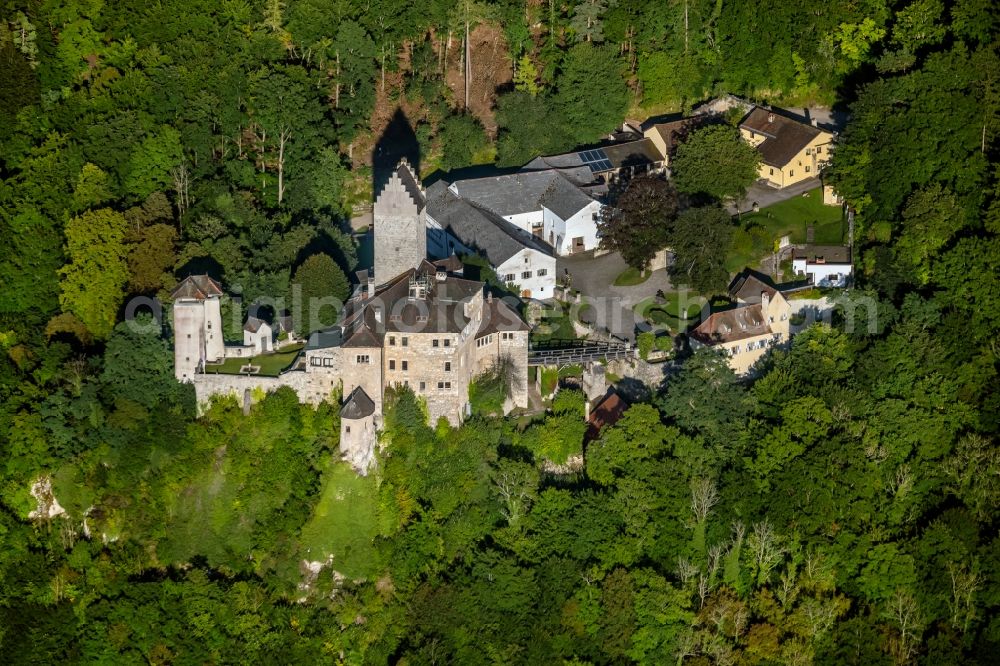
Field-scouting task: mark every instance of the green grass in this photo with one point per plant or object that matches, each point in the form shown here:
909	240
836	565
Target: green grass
760	231
271	365
669	314
344	523
555	324
631	277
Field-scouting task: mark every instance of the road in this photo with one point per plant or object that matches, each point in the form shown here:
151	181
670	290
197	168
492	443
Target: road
594	277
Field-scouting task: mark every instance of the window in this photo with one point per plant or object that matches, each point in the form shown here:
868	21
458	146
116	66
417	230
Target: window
440	385
435	342
444	385
392	340
363	359
509	277
406	366
542	272
447	342
526	260
315	360
819	150
791	174
392	365
189	336
347	429
772	171
327	362
447	366
406	342
525	275
423	386
809	151
210	326
187	358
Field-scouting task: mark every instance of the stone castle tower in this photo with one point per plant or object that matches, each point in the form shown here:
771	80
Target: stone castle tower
198	337
400	225
359	423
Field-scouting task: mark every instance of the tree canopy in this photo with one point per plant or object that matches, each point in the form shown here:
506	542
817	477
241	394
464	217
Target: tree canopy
638	224
715	161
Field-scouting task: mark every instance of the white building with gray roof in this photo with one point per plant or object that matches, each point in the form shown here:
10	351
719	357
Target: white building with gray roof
519	258
546	204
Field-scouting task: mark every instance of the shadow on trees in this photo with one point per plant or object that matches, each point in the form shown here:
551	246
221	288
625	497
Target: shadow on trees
398	140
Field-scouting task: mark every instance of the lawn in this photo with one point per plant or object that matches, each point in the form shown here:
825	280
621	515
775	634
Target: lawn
344	522
631	277
669	313
760	231
271	365
555	324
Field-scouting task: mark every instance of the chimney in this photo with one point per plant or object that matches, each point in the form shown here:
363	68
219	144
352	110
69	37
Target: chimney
764	301
770	117
814	122
370	289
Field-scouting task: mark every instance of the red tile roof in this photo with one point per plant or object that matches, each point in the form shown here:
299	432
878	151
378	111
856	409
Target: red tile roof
606	413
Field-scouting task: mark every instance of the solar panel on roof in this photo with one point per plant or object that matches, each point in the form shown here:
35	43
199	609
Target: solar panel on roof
596	159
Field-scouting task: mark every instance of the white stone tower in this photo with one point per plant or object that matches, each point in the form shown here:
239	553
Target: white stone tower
357	430
198	334
399	224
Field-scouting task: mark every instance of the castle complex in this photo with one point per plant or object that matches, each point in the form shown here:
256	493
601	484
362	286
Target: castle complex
409	322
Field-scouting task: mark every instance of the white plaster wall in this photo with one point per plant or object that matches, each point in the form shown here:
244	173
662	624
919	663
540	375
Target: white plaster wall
583	224
214	340
819	272
526	220
189	322
555	230
533	261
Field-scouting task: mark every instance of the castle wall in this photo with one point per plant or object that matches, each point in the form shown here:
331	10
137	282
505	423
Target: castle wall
444	388
357	442
512	345
367	375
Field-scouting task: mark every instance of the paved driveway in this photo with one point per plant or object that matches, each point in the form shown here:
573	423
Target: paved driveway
595	277
765	195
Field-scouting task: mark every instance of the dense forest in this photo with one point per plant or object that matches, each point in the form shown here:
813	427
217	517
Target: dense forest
839	509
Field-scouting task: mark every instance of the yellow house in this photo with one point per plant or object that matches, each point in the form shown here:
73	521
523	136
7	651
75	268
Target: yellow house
665	136
759	321
790	151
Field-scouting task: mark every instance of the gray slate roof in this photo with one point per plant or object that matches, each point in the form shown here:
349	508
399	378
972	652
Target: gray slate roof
253	324
357	406
411	184
827	254
524	192
479	228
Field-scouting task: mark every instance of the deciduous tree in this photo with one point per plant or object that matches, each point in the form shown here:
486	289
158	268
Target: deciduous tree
638	224
715	161
93	281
